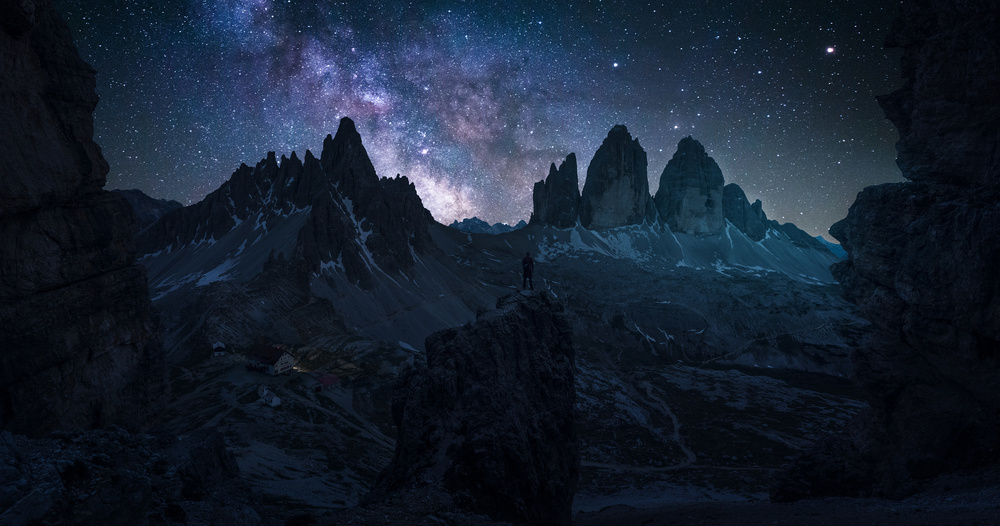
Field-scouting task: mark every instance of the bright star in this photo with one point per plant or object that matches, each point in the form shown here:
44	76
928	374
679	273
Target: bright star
831	50
615	65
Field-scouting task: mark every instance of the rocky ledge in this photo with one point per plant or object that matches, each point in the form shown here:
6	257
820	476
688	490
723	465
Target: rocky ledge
487	424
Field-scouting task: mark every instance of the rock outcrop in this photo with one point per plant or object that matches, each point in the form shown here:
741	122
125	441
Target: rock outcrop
147	209
923	264
689	198
344	198
79	341
489	419
749	219
557	199
616	192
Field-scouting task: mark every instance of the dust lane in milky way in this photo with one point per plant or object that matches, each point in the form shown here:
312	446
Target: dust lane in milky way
473	100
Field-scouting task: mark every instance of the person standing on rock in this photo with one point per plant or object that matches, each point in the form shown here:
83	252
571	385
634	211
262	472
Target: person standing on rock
527	267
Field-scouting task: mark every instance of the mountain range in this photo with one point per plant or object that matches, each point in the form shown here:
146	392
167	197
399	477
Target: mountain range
650	306
368	247
478	226
680	351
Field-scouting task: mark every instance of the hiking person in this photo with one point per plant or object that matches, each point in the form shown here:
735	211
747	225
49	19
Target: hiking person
527	267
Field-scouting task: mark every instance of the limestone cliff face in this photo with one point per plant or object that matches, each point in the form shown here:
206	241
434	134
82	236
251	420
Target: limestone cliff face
489	419
689	198
556	200
924	265
616	192
78	344
749	219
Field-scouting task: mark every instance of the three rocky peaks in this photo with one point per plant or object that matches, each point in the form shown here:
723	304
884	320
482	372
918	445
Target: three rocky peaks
692	197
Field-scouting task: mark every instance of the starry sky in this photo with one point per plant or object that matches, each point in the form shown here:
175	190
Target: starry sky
472	100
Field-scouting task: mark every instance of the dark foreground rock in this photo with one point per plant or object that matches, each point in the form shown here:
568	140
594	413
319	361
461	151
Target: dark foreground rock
924	265
112	477
79	343
487	424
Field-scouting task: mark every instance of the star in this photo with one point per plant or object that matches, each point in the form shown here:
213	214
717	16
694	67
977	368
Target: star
473	102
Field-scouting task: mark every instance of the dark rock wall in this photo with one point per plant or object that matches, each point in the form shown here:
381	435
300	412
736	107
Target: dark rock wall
689	198
616	192
749	219
924	265
556	200
78	338
489	419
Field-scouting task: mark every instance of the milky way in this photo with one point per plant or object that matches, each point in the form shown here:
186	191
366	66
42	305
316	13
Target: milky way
473	100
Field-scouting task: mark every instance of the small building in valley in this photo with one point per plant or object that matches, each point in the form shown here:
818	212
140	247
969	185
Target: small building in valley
324	381
271	359
218	349
268	397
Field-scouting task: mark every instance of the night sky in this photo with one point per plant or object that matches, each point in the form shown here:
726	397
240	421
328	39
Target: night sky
472	100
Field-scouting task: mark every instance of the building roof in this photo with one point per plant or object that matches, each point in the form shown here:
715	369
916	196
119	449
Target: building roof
266	354
328	379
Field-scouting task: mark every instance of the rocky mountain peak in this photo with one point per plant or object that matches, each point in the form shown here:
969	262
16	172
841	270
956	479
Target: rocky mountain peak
689	198
689	146
341	210
747	218
556	199
616	192
345	159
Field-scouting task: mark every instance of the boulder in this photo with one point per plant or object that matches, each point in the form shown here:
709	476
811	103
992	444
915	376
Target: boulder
616	192
689	198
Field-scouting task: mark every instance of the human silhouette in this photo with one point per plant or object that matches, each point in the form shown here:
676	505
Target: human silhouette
527	266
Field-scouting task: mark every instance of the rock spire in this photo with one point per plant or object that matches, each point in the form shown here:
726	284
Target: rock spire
689	198
616	192
557	198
